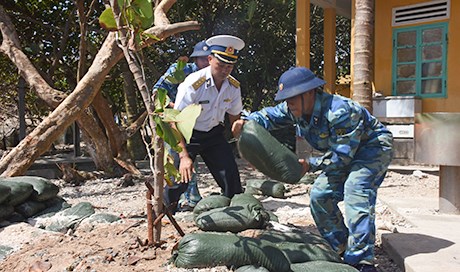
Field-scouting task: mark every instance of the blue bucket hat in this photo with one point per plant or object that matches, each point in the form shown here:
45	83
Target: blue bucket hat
201	49
295	81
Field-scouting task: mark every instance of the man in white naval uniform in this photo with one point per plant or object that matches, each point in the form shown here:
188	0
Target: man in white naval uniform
218	93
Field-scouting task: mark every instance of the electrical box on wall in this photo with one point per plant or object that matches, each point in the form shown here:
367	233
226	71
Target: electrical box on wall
396	106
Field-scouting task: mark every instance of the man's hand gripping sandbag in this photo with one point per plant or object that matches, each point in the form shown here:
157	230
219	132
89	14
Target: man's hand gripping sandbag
269	156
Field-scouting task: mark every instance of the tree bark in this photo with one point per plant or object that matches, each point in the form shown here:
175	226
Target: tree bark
10	46
40	139
134	144
363	76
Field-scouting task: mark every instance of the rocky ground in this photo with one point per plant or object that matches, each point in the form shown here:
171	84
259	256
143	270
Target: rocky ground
122	246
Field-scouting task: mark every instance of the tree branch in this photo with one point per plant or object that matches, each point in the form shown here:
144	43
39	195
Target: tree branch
160	11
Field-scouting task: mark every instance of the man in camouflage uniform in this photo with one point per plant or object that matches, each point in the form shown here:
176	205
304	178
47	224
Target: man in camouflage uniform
199	56
357	151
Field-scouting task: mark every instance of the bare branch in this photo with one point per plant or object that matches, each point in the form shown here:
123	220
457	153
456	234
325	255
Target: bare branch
160	12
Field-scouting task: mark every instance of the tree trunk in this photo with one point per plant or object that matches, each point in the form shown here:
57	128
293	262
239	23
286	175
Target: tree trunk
40	139
135	66
134	144
363	57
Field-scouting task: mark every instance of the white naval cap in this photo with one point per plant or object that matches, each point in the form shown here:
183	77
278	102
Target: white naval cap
225	47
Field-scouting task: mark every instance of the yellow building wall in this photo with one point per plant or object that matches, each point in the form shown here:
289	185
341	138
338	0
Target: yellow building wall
383	54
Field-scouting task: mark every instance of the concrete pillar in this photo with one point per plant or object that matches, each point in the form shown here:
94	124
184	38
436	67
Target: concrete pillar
329	49
352	44
449	189
302	33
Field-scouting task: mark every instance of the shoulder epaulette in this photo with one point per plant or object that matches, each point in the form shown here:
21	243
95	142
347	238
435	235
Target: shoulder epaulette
198	83
233	81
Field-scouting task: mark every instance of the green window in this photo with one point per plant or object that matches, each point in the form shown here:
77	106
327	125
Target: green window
420	60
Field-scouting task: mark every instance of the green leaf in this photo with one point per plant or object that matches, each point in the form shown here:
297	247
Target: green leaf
143	9
171	171
181	64
178	76
160	100
107	21
186	120
168	133
159	126
169	115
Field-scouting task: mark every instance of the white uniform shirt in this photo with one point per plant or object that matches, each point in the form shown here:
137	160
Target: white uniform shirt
214	103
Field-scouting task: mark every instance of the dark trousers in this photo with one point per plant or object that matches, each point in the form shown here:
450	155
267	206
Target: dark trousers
218	156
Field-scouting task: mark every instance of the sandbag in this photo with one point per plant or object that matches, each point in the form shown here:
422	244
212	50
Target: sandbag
5	211
43	188
70	218
4	251
294	236
299	246
233	219
316	266
209	203
30	208
252	268
19	192
268	155
4	192
265	187
286	136
200	250
246	200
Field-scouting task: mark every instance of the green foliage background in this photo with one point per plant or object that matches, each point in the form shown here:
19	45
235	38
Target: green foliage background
49	34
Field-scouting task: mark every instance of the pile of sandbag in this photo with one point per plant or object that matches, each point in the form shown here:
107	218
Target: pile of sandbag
269	251
219	213
26	195
236	235
35	200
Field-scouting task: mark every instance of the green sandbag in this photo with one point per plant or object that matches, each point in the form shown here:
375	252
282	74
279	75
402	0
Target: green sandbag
246	200
30	208
265	187
301	247
4	192
316	266
5	211
19	192
43	188
285	135
268	155
293	236
251	268
209	203
200	250
303	252
4	251
233	219
71	217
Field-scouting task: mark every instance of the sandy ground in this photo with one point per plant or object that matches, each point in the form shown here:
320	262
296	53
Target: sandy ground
121	246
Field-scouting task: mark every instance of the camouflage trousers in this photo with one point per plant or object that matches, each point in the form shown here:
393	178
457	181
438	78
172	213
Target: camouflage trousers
192	195
356	186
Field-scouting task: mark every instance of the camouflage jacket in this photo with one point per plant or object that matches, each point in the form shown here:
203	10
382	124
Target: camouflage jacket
338	127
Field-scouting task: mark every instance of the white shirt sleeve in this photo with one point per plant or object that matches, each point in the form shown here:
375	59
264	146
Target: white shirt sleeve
185	96
237	105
